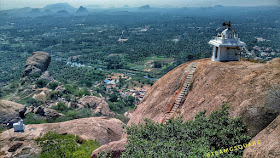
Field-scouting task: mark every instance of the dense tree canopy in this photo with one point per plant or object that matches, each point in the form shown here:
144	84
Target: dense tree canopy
195	138
65	146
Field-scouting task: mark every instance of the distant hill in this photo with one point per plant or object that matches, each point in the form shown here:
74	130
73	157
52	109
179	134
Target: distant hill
19	12
82	11
145	7
35	12
219	6
47	12
60	6
62	13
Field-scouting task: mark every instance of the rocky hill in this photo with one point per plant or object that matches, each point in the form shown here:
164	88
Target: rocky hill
244	86
101	129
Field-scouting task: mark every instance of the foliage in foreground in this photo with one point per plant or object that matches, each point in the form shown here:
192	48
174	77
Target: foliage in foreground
65	146
193	138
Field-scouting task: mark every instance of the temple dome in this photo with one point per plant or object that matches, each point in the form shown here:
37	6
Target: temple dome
228	33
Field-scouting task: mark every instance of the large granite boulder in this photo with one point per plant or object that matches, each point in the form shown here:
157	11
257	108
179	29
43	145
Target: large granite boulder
37	63
269	142
49	113
98	105
9	112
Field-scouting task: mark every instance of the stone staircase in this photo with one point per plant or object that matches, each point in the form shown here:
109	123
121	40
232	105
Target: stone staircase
184	92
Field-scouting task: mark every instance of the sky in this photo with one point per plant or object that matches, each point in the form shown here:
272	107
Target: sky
9	4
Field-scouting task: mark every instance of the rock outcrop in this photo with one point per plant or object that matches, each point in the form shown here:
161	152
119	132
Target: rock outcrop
9	111
40	110
116	148
49	113
241	85
101	129
269	139
37	64
98	105
26	110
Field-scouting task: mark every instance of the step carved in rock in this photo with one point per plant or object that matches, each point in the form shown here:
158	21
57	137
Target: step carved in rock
182	95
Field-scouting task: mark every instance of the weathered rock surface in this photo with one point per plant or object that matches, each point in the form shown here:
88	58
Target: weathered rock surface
269	142
116	148
40	110
51	113
242	85
37	63
98	105
46	76
60	88
26	110
101	129
9	111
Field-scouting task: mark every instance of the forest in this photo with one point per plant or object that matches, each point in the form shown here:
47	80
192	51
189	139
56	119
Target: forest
124	41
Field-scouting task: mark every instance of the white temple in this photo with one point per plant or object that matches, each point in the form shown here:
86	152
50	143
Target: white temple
226	46
19	126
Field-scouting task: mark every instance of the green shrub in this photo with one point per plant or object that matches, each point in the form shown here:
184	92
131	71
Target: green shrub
113	97
3	128
33	102
61	107
193	138
53	85
117	107
70	114
53	95
1	93
129	101
157	64
67	97
41	83
70	89
32	118
122	105
34	76
65	146
121	117
82	113
82	92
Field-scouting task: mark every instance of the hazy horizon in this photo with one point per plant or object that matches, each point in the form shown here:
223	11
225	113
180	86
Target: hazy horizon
10	4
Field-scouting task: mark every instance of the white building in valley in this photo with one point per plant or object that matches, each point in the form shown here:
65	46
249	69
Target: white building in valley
226	46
